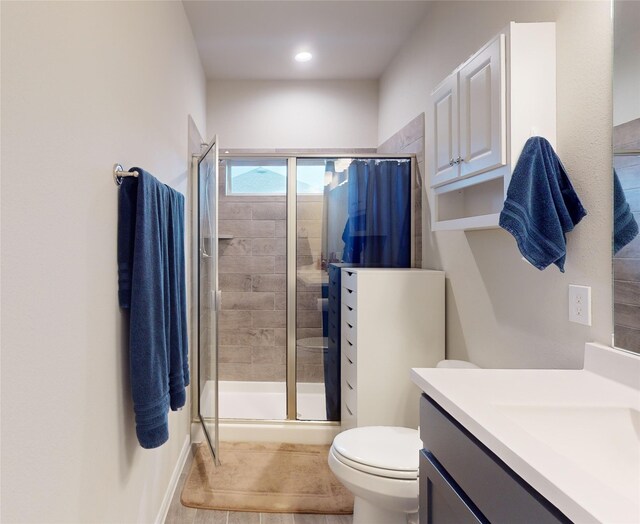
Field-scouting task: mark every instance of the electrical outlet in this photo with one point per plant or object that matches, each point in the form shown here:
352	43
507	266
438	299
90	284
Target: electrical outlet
580	304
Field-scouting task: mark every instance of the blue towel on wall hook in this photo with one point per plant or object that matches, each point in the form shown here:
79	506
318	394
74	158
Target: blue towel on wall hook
541	205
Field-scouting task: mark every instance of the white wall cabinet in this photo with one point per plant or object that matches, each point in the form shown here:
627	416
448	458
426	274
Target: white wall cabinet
444	105
392	320
482	111
481	115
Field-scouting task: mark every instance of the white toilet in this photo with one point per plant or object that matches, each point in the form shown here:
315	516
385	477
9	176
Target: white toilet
379	465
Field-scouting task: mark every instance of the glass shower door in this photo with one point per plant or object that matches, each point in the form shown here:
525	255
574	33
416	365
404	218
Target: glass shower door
208	294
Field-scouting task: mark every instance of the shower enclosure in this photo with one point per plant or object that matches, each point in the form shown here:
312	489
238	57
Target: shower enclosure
272	228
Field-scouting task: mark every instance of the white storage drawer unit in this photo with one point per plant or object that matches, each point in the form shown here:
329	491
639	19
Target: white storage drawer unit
392	320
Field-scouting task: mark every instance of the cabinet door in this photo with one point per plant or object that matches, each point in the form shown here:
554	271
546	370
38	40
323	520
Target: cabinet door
444	108
440	501
482	110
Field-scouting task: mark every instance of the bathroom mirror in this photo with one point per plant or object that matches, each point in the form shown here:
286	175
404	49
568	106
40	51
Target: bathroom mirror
626	165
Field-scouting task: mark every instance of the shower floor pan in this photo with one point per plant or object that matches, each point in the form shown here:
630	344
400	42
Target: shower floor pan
267	400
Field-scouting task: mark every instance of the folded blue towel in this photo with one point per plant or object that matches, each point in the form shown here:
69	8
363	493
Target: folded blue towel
625	227
152	286
541	205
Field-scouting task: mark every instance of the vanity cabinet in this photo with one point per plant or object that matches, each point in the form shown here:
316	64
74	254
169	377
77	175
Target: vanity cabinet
392	320
463	481
479	119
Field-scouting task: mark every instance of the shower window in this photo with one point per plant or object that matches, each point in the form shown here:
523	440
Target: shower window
264	177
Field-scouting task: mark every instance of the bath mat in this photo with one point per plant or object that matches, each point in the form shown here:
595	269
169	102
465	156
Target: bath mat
267	478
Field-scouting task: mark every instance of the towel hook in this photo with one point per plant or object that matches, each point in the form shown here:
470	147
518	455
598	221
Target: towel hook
119	173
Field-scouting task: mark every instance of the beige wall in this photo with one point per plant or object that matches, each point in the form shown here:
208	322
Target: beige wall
293	114
501	312
84	85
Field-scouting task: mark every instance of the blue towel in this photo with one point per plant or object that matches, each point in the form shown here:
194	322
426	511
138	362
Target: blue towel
541	205
625	227
151	272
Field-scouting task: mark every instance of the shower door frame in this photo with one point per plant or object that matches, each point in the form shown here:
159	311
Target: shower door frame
213	294
292	157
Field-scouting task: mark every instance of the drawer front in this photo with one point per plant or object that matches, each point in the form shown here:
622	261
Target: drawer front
349	349
498	492
349	332
441	501
349	297
348	417
349	370
349	395
349	279
348	314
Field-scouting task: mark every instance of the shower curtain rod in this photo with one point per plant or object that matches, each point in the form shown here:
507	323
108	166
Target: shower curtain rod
119	173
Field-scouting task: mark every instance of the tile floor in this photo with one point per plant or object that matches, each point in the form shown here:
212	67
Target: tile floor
179	514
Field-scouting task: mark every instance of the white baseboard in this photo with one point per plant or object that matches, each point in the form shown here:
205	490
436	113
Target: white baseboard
173	483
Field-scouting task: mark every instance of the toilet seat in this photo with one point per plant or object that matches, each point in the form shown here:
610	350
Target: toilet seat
384	451
371	470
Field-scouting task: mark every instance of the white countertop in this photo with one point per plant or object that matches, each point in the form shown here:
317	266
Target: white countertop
588	471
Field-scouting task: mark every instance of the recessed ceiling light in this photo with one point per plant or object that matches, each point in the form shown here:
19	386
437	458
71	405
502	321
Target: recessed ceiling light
304	56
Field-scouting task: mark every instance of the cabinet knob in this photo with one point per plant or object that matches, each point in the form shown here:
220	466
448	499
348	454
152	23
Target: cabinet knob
458	160
451	162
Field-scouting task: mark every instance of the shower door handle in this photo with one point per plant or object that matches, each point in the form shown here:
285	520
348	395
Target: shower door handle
216	295
215	299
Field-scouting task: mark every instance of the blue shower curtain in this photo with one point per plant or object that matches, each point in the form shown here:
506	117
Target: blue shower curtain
378	230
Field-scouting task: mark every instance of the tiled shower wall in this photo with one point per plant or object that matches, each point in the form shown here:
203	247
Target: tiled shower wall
252	273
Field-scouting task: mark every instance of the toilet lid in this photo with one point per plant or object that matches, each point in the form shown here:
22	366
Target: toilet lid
388	448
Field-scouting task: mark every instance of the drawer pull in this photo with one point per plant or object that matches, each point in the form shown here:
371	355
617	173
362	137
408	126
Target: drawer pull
351	326
349	386
349	308
350	361
348	290
349	342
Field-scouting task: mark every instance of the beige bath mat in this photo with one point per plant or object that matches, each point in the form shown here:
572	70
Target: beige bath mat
266	477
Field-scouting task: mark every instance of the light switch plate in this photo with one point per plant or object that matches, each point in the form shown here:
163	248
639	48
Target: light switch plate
580	304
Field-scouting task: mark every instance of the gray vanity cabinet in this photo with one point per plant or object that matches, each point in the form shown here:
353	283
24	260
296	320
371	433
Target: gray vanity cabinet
461	480
440	501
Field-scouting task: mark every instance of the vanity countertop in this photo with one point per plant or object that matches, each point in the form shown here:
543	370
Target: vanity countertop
573	435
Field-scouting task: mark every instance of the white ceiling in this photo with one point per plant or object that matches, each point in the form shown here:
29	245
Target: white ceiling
243	39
